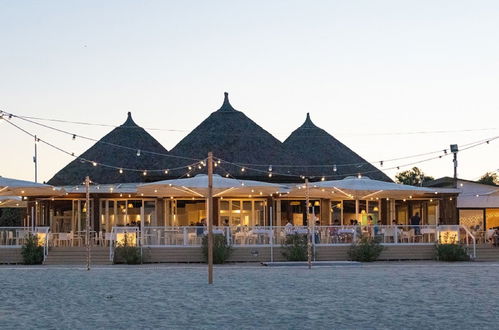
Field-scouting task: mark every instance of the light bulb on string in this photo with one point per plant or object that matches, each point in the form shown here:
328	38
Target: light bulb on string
381	163
121	171
270	174
227	175
323	178
243	169
270	168
189	168
138	153
144	173
94	163
166	171
334	168
74	137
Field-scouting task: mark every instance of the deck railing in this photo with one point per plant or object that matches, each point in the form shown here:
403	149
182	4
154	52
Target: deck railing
15	237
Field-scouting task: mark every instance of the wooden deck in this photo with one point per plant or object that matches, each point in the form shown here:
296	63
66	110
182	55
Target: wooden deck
100	256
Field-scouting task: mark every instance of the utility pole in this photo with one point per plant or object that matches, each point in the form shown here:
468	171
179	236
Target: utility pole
454	149
87	220
210	218
309	231
35	159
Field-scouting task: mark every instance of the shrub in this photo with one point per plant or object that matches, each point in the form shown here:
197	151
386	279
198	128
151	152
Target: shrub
126	253
451	252
366	250
221	250
295	247
31	252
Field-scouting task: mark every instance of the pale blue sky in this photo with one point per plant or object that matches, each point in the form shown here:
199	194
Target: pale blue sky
359	68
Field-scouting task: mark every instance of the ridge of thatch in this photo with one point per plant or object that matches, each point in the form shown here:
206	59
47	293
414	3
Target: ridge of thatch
315	146
130	135
234	137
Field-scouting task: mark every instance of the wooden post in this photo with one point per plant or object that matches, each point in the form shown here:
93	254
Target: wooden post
210	218
309	231
87	220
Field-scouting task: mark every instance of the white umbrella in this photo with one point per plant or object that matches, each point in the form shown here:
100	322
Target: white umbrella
363	188
14	187
198	186
360	188
12	201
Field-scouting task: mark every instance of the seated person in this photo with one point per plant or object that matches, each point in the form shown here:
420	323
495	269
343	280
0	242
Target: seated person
495	237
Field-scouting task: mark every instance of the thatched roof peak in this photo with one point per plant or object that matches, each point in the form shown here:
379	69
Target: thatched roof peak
118	148
317	147
226	106
129	121
308	123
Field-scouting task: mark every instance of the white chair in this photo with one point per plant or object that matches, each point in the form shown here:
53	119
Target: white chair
63	239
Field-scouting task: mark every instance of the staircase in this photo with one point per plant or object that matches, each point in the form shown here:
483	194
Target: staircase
487	253
77	256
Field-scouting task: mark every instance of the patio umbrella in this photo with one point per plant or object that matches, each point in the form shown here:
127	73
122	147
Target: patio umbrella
359	189
363	188
198	187
12	201
14	187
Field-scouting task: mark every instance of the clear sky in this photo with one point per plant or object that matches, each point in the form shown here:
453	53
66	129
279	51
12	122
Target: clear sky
361	68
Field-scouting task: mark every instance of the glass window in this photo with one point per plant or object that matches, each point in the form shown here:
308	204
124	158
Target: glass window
190	212
259	213
471	218
492	218
348	211
336	212
432	212
121	213
150	213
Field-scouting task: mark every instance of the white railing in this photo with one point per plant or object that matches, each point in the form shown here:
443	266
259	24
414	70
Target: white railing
276	235
15	237
469	237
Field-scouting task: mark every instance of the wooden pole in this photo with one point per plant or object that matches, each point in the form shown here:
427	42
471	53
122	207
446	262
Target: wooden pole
87	220
210	218
309	231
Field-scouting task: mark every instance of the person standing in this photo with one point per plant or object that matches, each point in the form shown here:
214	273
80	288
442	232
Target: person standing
415	222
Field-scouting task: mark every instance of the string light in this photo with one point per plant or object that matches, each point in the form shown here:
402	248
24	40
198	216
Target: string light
144	173
74	137
138	153
166	171
468	146
242	169
121	171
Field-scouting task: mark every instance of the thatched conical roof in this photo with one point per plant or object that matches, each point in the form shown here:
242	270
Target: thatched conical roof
318	147
106	151
234	137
